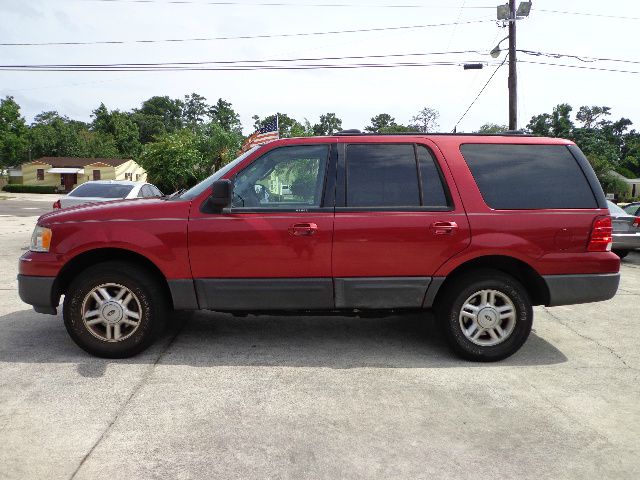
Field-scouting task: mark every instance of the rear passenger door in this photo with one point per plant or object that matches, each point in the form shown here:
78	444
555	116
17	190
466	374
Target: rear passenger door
397	219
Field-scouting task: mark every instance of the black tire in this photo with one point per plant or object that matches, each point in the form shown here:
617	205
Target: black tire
148	295
450	304
621	253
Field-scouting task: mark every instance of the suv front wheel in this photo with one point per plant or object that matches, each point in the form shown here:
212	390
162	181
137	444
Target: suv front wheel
114	309
486	315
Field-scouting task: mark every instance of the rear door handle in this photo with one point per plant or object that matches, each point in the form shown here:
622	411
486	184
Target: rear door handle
303	229
443	228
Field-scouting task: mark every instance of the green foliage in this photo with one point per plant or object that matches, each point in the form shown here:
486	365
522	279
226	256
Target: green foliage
173	161
492	128
13	134
122	130
19	188
182	159
328	125
157	116
288	127
381	123
224	115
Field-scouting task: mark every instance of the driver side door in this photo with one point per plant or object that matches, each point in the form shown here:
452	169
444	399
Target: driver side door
272	249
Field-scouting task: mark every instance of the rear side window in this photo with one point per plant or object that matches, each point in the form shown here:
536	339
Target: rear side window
382	176
393	175
103	190
522	177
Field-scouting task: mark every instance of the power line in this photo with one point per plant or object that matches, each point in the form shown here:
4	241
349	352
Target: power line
229	62
240	68
582	67
287	4
241	37
480	93
582	58
586	14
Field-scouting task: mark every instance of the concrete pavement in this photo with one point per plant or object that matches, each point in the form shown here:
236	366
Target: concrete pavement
320	397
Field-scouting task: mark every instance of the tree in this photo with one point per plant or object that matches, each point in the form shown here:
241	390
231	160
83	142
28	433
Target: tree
174	161
426	120
121	128
492	128
156	116
288	127
328	125
589	115
380	122
13	134
224	115
55	135
195	111
217	145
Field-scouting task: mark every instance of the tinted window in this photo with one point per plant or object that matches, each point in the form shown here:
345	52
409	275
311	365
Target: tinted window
528	176
287	178
382	176
103	190
433	193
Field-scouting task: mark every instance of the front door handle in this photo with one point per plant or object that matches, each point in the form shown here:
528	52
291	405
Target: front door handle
443	228
303	229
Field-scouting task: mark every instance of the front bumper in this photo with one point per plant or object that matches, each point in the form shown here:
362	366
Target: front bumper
40	292
585	288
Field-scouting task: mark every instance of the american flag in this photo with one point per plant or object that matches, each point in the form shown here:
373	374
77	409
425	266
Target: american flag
263	135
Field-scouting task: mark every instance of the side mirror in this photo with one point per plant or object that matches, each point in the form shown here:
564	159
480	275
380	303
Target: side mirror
221	192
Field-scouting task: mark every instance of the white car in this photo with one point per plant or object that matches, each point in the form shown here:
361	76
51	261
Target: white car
106	190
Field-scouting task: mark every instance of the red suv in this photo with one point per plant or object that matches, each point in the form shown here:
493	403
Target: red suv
479	228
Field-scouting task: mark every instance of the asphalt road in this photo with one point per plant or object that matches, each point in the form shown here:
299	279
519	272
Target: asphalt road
320	397
23	208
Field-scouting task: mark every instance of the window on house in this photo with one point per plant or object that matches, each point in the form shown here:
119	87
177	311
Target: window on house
96	174
128	176
138	177
40	174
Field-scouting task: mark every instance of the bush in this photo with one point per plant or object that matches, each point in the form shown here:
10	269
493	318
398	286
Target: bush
18	188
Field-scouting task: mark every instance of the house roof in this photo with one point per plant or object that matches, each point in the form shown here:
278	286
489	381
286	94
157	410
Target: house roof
79	162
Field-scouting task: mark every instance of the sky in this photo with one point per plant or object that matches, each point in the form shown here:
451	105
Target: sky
585	29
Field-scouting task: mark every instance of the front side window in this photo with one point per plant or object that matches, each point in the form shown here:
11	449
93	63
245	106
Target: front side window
283	178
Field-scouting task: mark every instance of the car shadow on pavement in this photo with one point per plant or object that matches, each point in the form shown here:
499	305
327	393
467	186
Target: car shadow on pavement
206	339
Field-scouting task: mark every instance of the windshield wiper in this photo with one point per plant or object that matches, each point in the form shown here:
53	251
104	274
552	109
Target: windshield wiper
177	193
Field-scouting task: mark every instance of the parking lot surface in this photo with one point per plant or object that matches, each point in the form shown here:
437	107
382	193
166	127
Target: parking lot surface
320	397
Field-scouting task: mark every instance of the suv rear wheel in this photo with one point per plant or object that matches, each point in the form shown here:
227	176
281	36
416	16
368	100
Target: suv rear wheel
486	315
114	310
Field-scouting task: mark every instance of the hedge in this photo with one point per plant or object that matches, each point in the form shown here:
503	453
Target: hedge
18	188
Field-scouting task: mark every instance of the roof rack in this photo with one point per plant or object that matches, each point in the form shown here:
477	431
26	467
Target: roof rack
356	132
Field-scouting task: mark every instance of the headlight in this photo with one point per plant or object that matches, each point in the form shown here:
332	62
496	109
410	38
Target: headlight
40	239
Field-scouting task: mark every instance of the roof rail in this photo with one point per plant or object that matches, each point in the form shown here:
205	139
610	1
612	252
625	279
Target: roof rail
349	131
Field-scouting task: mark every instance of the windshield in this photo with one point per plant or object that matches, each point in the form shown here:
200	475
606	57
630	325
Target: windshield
206	183
615	209
102	190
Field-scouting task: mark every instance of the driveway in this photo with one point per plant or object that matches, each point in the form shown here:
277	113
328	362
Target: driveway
320	397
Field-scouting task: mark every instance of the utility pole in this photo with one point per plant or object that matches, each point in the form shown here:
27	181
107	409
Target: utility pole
513	75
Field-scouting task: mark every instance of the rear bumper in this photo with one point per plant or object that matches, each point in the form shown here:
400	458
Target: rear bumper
626	241
39	292
585	288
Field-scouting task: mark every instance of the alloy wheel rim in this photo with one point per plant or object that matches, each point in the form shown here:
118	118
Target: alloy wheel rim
487	317
111	312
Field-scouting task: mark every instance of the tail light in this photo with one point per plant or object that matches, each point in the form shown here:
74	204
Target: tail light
56	205
636	222
601	235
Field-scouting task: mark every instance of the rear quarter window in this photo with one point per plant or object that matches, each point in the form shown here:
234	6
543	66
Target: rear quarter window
522	177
